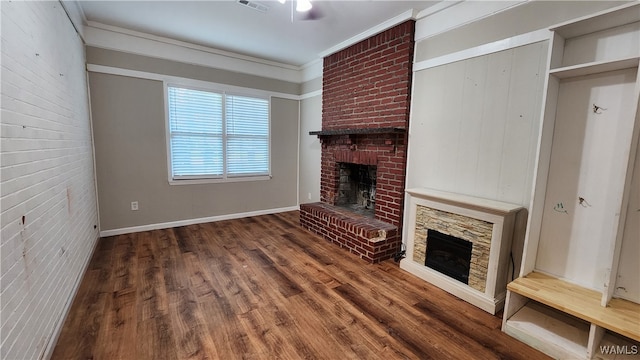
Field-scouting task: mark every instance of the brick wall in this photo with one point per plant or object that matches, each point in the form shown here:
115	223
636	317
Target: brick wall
385	151
368	85
48	204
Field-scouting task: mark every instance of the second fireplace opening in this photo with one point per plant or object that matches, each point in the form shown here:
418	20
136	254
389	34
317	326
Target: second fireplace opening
449	255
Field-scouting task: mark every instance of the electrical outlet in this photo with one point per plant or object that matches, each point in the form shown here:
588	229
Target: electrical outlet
134	205
309	196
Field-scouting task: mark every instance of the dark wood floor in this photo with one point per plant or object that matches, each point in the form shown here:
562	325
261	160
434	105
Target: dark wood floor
264	288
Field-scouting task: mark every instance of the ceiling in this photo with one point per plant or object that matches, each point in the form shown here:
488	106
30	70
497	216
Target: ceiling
272	35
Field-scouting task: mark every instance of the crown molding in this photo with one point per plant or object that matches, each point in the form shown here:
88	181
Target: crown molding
437	8
312	70
135	42
399	19
446	15
76	15
190	45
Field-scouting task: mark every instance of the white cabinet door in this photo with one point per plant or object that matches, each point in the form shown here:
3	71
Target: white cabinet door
589	156
628	281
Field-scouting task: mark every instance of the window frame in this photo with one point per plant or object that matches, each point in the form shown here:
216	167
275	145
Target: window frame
224	91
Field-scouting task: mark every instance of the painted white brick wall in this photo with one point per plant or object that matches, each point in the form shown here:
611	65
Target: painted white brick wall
48	201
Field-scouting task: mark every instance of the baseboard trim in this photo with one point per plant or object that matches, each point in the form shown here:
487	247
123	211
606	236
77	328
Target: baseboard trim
482	300
170	224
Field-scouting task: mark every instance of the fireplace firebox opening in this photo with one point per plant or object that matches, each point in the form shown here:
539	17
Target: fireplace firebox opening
357	188
448	255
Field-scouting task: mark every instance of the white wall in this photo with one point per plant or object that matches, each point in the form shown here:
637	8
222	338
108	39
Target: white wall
48	203
310	149
474	125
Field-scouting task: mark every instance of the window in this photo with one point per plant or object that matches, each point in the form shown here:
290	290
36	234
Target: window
215	135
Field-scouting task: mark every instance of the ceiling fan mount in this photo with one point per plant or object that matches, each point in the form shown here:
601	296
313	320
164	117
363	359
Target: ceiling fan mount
304	6
308	11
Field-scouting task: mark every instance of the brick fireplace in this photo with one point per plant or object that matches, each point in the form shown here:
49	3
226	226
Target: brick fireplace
365	115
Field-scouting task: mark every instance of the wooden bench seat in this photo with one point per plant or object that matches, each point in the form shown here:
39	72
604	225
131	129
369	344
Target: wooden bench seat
620	316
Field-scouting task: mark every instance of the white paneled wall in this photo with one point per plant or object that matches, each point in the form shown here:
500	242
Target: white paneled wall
48	201
474	125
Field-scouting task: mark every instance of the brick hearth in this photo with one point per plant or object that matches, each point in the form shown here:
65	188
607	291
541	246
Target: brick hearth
373	240
365	114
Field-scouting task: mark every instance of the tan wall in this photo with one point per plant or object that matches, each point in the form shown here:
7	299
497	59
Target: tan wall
98	56
131	160
311	85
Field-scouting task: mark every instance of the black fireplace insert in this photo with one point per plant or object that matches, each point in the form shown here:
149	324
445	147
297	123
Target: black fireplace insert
448	255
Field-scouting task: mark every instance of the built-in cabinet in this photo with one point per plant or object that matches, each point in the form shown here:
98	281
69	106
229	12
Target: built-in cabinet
579	284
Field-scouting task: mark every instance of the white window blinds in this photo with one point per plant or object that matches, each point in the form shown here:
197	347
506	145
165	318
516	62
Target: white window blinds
247	135
217	135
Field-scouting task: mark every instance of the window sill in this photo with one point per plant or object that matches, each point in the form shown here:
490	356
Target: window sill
219	181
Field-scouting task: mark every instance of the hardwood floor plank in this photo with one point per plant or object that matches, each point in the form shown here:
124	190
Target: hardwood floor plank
264	288
221	321
124	262
87	311
283	222
103	254
225	330
172	263
156	339
152	300
154	325
417	344
344	320
473	332
307	270
282	282
117	338
239	281
294	332
85	318
266	341
382	293
192	340
183	239
342	328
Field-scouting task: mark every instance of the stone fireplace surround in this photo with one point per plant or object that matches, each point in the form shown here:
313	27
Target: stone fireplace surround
477	232
489	225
